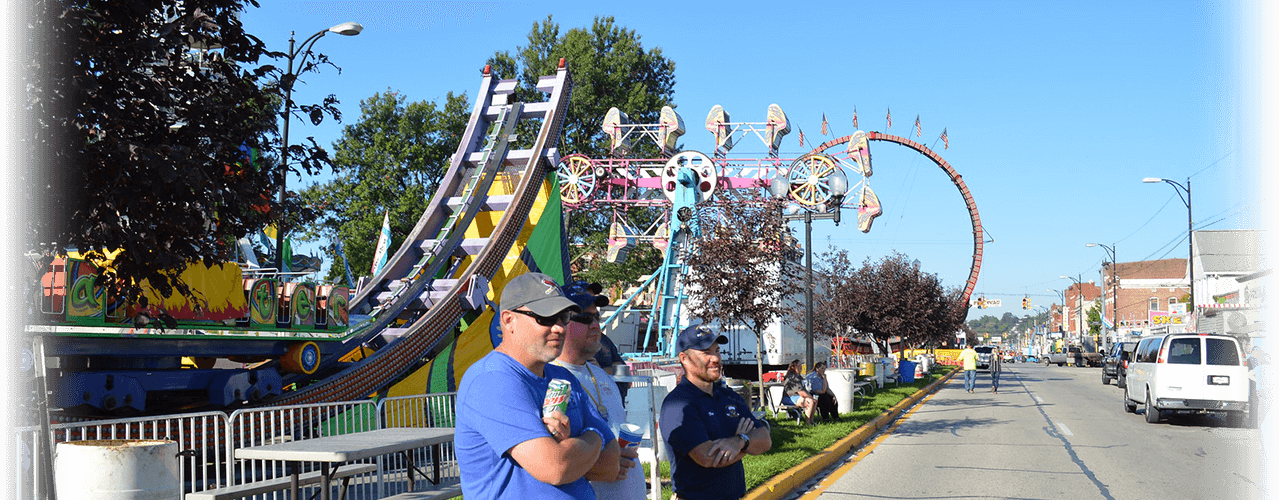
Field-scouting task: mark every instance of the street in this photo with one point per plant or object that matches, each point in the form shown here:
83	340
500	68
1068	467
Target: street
1050	432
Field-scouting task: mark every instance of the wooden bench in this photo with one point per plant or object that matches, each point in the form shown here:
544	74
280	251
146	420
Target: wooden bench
435	492
344	473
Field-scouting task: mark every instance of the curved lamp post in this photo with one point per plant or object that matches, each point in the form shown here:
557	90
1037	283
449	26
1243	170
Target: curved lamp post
289	78
1190	229
1114	287
780	188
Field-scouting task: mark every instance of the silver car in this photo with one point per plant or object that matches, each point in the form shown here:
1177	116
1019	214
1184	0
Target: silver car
984	352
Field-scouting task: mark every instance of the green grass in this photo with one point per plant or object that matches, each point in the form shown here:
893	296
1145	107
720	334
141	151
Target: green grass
792	444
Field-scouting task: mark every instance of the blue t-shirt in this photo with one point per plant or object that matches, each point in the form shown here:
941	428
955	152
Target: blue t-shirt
499	405
691	417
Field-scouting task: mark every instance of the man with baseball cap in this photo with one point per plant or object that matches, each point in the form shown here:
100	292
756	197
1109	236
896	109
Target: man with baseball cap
708	427
505	447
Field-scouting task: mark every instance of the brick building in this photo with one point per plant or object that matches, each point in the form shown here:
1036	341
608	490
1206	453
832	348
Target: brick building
1076	311
1152	295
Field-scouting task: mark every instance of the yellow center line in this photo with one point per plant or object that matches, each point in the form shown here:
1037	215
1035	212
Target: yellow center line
866	450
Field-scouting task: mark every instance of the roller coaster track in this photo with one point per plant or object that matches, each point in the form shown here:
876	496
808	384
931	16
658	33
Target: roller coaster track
406	297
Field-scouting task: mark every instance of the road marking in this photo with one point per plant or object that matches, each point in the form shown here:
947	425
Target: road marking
1065	430
1037	400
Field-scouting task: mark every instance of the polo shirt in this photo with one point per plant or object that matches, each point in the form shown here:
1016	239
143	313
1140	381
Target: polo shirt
499	405
691	417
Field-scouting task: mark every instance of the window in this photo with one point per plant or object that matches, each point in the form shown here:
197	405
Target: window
1184	351
1154	303
1171	301
1222	352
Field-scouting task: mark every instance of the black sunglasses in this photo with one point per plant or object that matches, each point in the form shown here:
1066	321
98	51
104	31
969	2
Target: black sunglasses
559	319
585	318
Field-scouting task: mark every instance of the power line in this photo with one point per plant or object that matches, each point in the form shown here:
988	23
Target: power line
1210	165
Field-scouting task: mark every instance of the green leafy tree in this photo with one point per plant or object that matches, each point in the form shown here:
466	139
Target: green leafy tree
147	141
610	68
392	159
898	300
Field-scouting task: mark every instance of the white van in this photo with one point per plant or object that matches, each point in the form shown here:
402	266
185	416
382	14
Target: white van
1188	373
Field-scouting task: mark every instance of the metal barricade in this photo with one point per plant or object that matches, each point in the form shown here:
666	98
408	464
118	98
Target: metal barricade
201	437
267	425
424	410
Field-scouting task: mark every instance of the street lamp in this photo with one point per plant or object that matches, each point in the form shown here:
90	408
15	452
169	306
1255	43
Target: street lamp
1114	286
1080	283
289	78
837	183
1190	229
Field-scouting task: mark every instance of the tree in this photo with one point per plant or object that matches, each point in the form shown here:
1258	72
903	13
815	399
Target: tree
391	160
147	141
896	299
610	68
739	272
832	298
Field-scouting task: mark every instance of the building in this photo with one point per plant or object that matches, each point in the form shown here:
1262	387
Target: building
1151	294
1230	280
1075	321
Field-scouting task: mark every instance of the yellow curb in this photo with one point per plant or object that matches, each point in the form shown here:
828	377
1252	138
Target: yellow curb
778	486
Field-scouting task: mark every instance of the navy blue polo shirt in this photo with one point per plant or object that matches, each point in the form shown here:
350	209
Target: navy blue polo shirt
691	417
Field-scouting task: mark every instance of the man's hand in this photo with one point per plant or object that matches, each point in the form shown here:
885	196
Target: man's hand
557	424
629	458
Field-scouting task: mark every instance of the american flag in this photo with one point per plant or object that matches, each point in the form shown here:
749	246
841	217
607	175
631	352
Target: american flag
890	117
825	125
801	136
854	117
945	139
918	131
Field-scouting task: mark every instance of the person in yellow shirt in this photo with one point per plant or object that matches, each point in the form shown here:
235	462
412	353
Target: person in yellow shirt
969	357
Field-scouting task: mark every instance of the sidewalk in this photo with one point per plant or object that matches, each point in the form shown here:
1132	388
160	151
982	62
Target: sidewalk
784	485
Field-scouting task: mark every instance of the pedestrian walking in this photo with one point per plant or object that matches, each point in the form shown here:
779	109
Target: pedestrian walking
581	343
969	358
506	447
995	363
707	426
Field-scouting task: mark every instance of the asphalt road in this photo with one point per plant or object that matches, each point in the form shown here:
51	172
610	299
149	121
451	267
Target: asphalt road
1051	432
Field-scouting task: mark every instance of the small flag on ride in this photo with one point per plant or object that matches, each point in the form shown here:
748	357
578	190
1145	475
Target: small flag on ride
801	136
854	117
945	139
383	244
890	117
918	131
825	125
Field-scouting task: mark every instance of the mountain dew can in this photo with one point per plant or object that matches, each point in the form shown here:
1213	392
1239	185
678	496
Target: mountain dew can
556	397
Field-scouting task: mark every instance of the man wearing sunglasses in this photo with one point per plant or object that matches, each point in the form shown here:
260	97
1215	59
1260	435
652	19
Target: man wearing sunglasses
580	345
505	447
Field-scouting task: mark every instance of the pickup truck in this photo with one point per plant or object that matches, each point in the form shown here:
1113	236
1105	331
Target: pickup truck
1074	356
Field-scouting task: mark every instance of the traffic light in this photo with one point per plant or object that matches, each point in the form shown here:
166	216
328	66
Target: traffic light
981	302
1025	302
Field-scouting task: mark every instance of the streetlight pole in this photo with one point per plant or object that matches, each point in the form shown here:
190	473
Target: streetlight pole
289	78
1190	229
837	186
1114	286
1080	284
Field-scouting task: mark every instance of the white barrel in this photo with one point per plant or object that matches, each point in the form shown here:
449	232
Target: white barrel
117	469
841	385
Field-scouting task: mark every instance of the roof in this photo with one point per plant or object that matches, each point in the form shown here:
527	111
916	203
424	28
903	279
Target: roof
1152	269
1234	252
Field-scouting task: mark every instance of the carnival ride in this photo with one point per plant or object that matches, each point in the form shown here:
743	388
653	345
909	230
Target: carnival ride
112	360
427	315
684	187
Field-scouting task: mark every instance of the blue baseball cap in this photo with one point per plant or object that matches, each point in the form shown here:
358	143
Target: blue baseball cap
585	300
697	337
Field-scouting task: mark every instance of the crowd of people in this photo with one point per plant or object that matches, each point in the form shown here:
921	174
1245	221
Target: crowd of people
540	415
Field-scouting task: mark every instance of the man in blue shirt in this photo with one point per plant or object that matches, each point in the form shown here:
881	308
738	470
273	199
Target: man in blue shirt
708	427
505	447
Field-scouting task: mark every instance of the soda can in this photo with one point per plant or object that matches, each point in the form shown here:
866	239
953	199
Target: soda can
556	397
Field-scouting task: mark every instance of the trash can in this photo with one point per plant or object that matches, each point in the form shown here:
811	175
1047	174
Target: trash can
117	469
841	385
906	371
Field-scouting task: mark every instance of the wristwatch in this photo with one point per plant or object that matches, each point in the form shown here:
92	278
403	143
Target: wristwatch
745	438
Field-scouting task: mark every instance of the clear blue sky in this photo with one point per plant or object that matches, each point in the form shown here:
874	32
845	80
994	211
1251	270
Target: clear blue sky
1055	110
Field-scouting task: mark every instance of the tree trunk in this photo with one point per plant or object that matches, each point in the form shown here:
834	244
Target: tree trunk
759	366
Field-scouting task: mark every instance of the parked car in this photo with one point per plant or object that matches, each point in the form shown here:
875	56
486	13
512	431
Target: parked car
983	356
1114	365
1188	373
1008	357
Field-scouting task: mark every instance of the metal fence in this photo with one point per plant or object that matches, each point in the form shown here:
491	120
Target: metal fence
209	440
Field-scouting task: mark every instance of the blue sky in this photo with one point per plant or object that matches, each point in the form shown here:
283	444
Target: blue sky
1055	110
